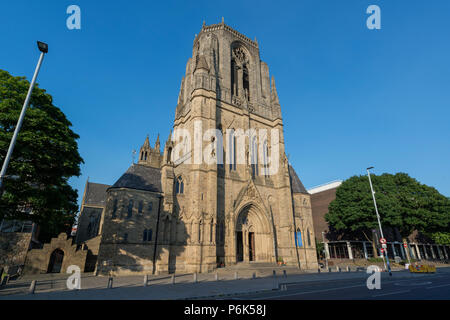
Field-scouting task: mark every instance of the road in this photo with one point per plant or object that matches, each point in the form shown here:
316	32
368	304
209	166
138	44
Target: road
420	286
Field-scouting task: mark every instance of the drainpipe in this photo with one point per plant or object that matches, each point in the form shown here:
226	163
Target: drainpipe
293	214
156	236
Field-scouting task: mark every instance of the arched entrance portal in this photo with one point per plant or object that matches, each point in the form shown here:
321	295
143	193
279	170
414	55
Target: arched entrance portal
253	237
56	260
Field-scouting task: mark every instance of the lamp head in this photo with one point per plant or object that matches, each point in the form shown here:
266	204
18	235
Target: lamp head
43	47
369	168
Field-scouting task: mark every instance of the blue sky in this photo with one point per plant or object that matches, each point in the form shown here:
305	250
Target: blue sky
351	97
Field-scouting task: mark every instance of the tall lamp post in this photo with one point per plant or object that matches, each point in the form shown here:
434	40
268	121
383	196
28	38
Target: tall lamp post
43	47
378	218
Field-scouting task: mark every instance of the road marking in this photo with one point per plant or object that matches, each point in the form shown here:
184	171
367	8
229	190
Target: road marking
315	291
412	284
442	285
387	294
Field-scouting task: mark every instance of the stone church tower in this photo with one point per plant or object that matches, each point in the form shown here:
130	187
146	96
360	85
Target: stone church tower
174	211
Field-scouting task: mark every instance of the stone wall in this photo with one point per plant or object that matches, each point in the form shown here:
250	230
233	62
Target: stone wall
13	248
37	260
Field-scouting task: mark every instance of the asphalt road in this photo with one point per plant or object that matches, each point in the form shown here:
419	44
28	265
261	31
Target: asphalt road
418	287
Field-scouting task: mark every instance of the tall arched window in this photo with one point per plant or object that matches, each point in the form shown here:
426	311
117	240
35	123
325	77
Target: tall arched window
240	75
114	209
169	155
265	158
232	151
179	186
254	156
309	238
147	235
130	209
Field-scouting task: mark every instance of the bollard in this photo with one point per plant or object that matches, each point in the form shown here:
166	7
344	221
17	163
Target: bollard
195	277
145	280
284	274
338	269
235	275
318	270
217	276
110	283
274	274
348	269
254	275
4	281
275	284
329	269
173	279
32	287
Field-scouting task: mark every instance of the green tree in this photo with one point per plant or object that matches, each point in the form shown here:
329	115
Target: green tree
402	201
44	158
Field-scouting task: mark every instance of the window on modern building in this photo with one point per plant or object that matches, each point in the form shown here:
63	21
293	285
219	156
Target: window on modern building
179	186
130	209
141	206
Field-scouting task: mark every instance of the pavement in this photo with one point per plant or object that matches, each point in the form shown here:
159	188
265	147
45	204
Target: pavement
329	285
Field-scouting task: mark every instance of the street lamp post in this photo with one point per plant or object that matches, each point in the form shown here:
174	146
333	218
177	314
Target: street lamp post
43	47
325	251
378	218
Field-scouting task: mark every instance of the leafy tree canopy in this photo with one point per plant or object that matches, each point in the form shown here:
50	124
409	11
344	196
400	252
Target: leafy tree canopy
402	201
44	158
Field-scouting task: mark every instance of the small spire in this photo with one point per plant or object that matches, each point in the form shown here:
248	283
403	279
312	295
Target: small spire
223	20
157	144
204	23
147	142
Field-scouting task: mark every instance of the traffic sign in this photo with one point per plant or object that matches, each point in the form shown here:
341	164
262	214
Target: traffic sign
405	245
382	240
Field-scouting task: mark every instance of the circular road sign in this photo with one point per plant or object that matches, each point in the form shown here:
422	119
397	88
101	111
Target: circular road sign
382	240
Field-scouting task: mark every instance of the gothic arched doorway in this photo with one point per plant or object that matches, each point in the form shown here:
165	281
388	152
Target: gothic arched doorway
253	237
56	260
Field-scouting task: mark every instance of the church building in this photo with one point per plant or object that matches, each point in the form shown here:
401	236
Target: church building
170	212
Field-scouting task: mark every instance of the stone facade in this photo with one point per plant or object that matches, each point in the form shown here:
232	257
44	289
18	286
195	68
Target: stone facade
13	248
169	213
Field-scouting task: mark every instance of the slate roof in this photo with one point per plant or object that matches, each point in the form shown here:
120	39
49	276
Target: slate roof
140	177
297	185
95	194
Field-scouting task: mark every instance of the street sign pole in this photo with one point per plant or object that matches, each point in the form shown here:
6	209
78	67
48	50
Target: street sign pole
378	218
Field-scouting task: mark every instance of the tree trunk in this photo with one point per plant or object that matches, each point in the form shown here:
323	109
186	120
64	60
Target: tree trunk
405	240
